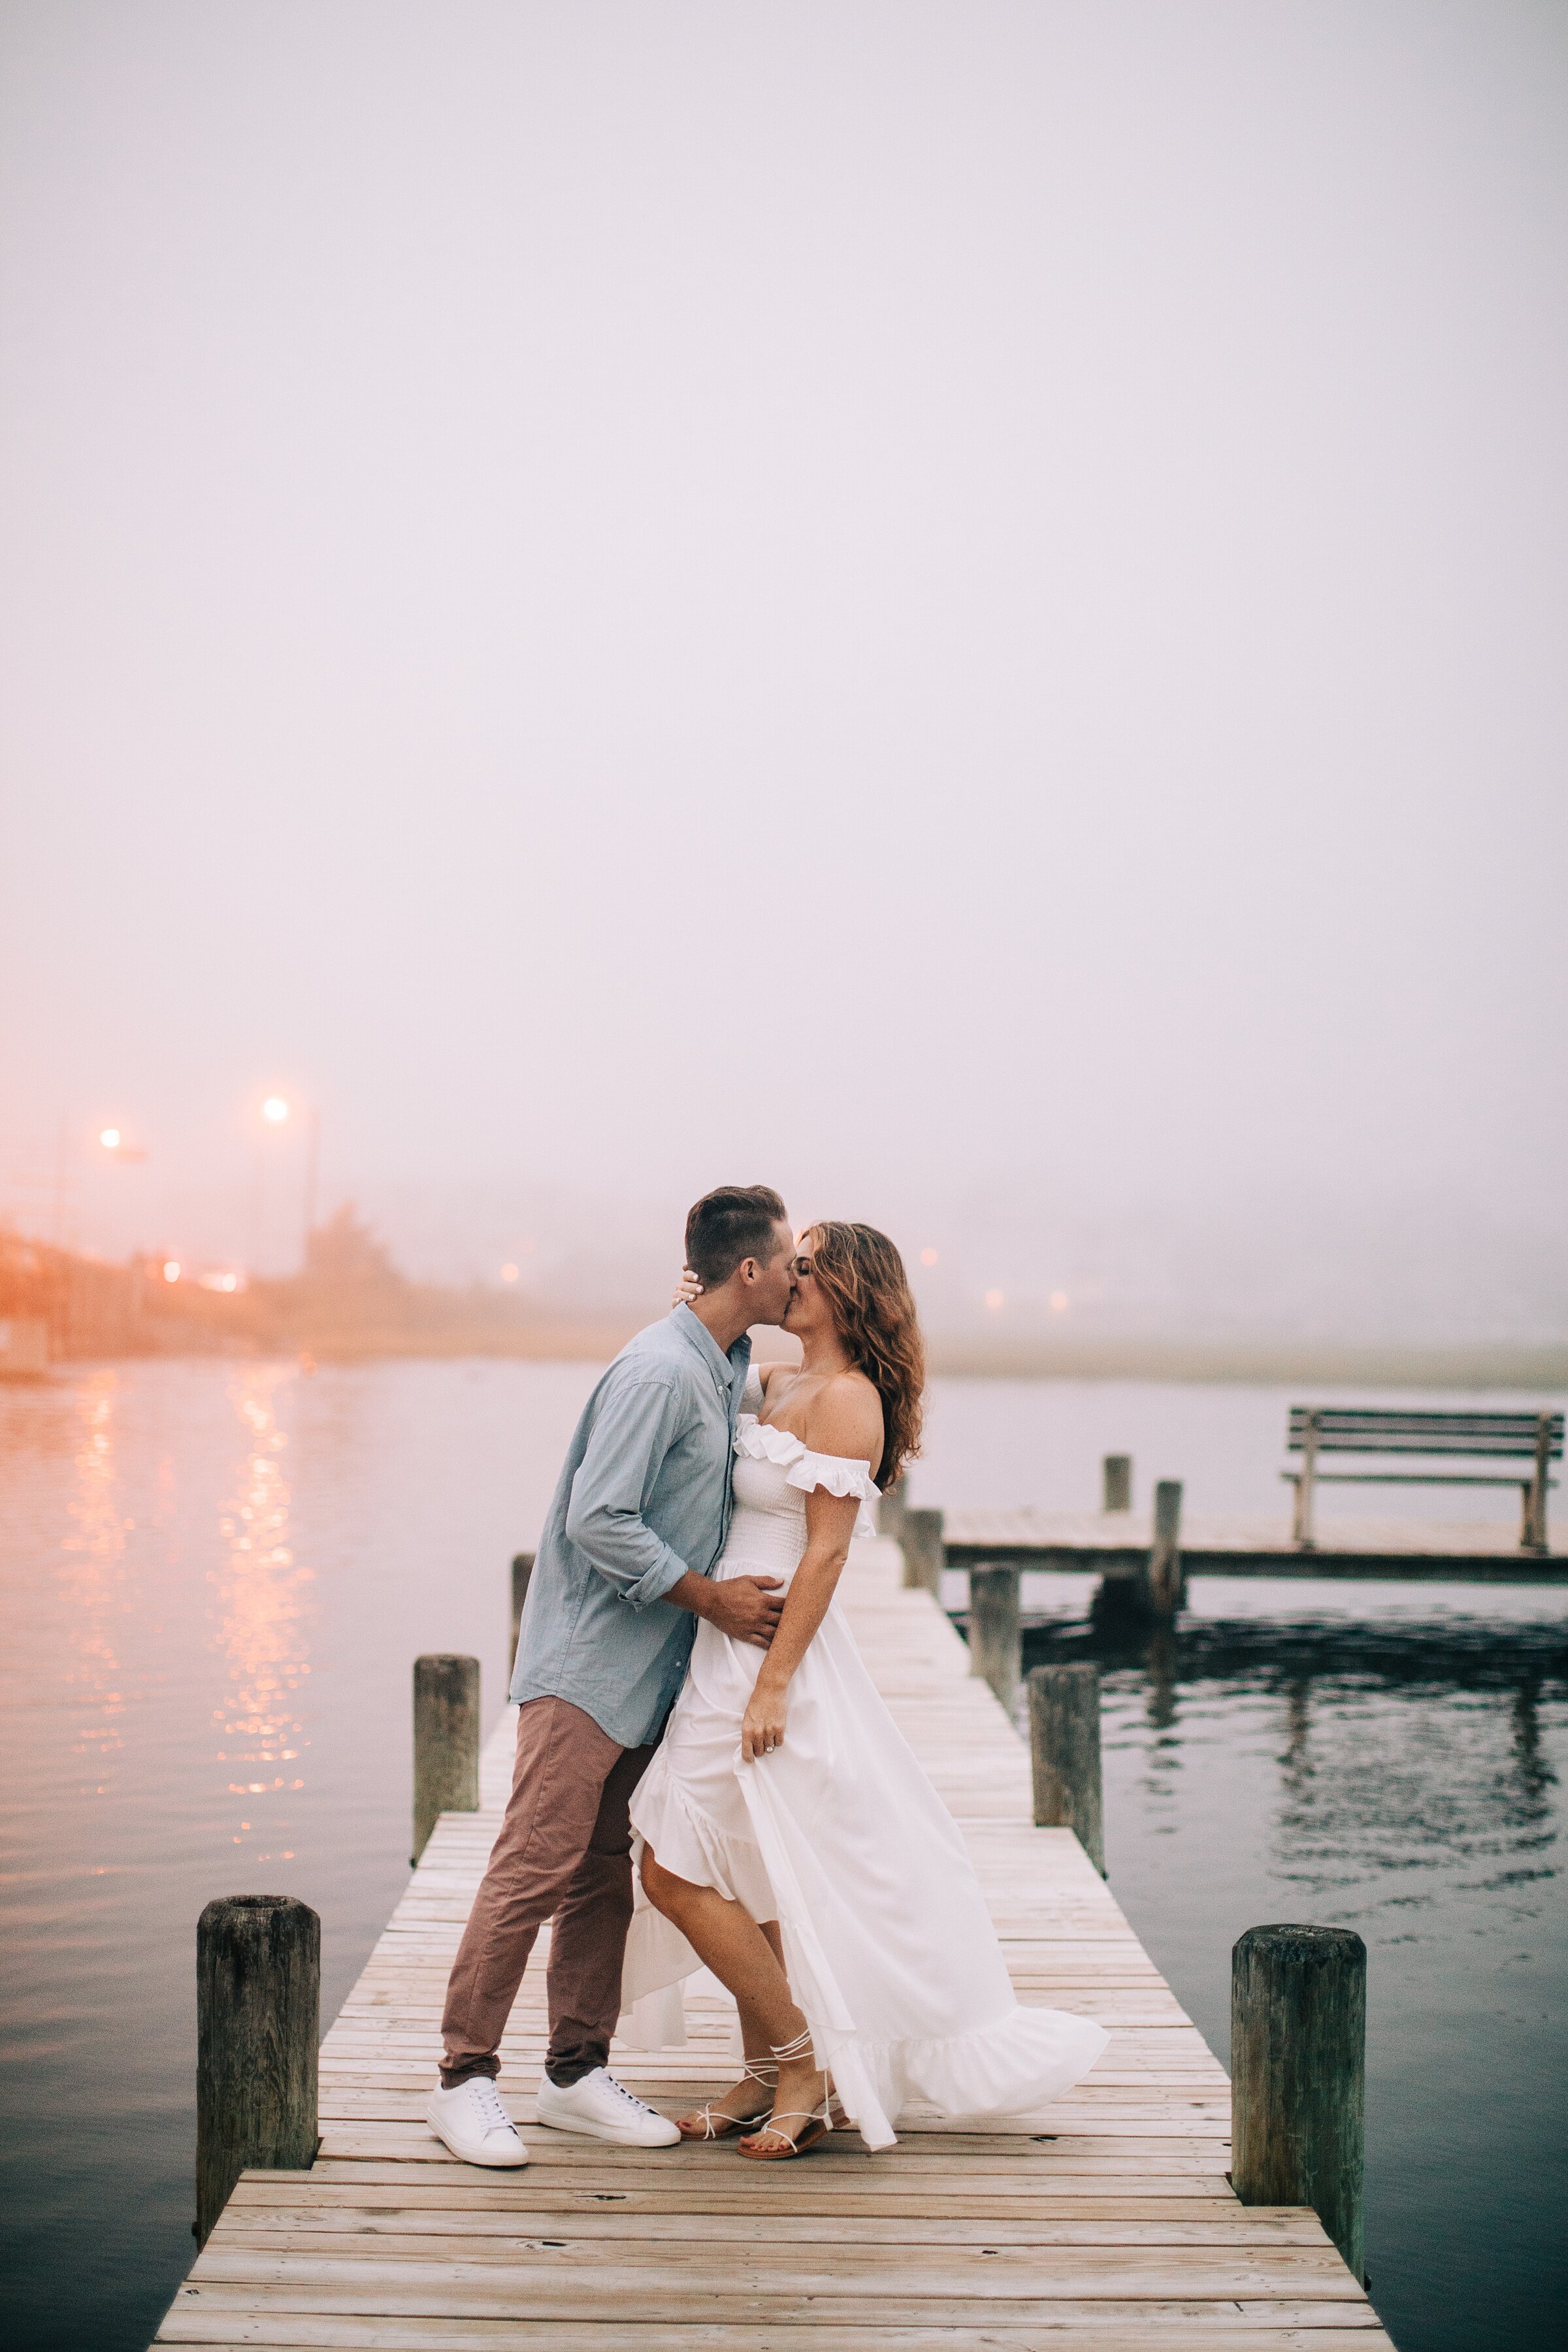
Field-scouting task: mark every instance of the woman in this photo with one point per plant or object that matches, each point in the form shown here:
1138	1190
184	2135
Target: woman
787	1831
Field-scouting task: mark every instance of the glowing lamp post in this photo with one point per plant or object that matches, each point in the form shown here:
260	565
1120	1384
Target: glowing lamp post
276	1112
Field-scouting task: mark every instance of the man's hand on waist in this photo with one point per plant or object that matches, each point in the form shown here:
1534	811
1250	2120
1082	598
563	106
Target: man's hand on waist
747	1608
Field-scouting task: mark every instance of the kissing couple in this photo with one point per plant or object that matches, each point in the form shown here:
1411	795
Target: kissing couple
685	1682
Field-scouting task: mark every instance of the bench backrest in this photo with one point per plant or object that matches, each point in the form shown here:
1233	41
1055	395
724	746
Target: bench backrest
1394	1428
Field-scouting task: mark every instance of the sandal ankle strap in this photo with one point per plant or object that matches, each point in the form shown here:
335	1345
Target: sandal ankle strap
795	2048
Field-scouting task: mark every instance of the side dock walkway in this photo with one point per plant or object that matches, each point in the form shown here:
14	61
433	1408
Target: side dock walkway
1106	2221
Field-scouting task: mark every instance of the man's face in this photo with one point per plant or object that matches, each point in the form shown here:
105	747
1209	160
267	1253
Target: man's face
776	1281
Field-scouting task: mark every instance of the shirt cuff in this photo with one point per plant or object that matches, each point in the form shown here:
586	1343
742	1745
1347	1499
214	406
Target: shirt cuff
655	1582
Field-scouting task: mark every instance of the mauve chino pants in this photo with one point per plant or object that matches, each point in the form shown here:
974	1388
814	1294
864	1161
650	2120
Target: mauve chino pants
563	1853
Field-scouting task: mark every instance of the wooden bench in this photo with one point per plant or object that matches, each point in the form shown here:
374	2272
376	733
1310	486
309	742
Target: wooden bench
1320	1429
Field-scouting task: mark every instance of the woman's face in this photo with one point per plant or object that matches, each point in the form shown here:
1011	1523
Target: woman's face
808	1310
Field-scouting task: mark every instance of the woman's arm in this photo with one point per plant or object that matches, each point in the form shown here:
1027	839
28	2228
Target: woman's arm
829	1524
850	1425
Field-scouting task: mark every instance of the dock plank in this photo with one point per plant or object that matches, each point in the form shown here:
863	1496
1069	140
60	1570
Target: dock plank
1105	2220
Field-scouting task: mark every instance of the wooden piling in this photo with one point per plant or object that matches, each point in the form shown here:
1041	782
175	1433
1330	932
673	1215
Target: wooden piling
1297	2062
995	1648
920	1538
1064	1753
1116	1473
258	1998
446	1741
1165	1587
521	1570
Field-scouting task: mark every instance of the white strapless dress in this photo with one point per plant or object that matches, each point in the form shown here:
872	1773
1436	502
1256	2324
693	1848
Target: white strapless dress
840	1837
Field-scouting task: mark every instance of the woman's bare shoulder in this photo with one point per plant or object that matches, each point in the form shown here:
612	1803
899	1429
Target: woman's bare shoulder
846	1417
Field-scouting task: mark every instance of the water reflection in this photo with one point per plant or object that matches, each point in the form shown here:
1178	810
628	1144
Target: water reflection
263	1608
1410	1757
1291	1655
92	1571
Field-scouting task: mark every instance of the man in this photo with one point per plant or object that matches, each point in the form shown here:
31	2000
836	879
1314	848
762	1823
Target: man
639	1519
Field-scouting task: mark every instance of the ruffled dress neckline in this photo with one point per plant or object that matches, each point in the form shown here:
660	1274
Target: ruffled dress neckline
836	1474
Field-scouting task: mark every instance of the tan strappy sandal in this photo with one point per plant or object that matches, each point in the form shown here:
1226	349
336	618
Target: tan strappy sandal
816	2122
713	2123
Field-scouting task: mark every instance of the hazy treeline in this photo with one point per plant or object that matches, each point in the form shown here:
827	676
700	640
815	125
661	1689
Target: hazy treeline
352	1300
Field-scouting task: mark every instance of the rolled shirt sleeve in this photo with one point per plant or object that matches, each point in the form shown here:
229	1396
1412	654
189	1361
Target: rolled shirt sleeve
638	1422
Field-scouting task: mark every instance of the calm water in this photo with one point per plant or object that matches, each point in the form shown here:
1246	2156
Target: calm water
215	1577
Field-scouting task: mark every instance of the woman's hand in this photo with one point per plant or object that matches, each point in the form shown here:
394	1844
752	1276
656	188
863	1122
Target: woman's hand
762	1724
687	1288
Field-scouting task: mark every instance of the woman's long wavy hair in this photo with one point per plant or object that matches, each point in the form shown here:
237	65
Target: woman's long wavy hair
868	1293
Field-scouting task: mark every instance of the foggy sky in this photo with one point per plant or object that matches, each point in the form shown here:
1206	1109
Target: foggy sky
959	608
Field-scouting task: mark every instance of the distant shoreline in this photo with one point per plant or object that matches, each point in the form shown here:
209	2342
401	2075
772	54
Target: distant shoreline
1260	1363
57	1307
1304	1365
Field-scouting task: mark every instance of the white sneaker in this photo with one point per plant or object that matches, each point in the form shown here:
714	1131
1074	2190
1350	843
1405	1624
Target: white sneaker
599	2107
475	2125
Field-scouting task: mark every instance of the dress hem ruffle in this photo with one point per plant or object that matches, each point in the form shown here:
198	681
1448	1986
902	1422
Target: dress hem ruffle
991	2071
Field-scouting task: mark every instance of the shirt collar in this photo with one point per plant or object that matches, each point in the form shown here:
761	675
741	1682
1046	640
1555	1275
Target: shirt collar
696	1334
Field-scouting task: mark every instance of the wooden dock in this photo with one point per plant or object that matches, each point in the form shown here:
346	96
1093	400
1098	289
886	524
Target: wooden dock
1105	2221
1115	1545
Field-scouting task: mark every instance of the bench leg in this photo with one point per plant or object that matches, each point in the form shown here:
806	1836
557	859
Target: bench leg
1301	1519
1532	1533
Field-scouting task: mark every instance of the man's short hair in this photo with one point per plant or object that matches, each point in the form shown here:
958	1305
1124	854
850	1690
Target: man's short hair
734	1222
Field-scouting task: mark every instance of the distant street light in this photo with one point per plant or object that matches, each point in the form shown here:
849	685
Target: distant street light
171	1269
110	1138
276	1111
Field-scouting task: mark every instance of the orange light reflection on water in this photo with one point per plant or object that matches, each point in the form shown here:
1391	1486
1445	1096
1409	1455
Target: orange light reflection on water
262	1607
93	1575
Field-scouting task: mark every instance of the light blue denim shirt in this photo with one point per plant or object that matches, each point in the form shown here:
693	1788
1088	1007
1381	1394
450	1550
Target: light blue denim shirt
644	1496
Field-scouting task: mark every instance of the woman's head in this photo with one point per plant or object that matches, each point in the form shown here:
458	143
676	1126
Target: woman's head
852	1277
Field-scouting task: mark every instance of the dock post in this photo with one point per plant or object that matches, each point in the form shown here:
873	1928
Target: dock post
995	1645
1165	1592
1298	2058
921	1539
445	1742
258	2003
1064	1752
1116	1472
522	1570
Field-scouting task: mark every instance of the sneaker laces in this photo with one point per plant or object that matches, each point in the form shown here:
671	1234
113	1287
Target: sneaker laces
493	2116
630	2096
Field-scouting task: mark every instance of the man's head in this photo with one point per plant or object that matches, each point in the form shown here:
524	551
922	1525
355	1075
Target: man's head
738	1240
